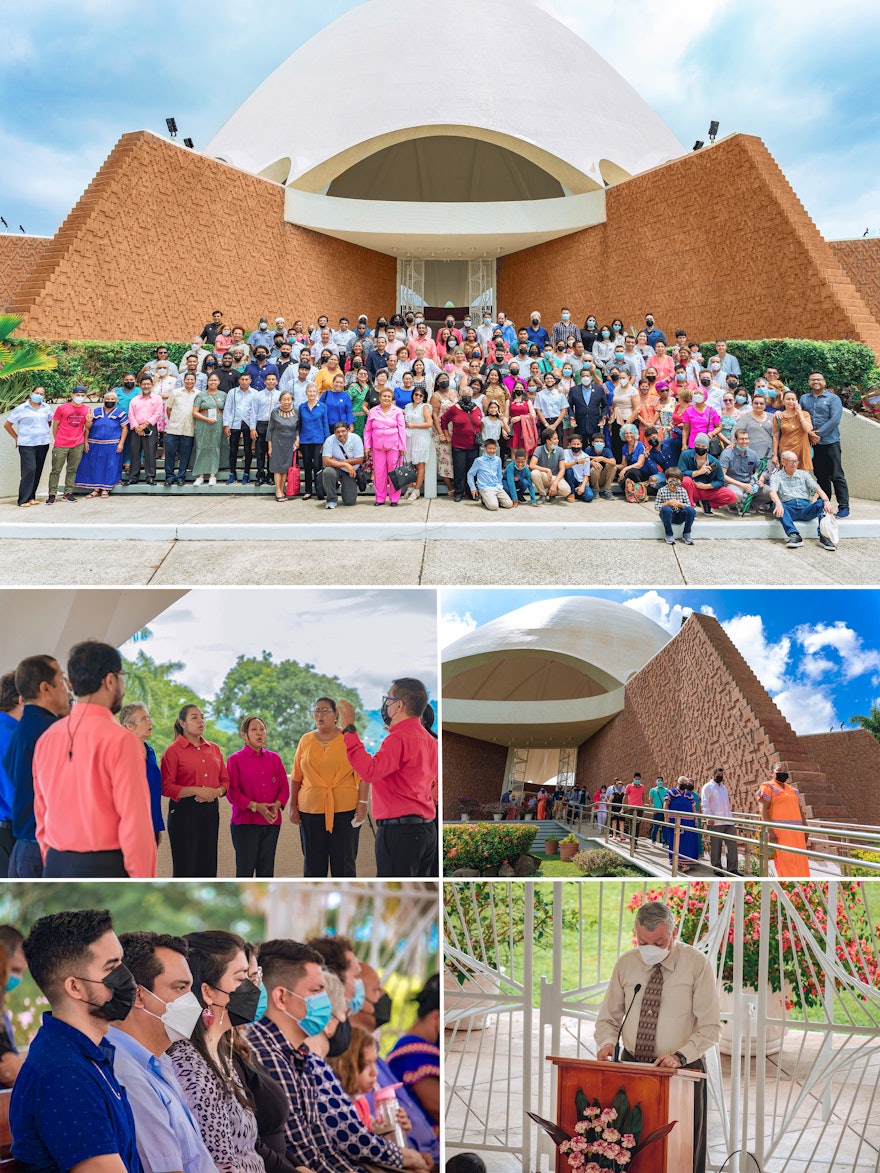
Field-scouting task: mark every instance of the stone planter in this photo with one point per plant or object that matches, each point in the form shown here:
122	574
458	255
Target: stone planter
551	846
567	851
775	1009
465	817
497	818
528	818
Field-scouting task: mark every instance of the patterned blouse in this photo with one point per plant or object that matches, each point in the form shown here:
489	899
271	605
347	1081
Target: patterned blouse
228	1129
413	1059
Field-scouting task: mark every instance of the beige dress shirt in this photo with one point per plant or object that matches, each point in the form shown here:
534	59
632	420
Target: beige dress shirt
690	1019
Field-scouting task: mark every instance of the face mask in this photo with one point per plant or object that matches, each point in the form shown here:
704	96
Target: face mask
699	398
598	447
653	954
651	378
576	451
36	398
467	323
716	366
123	988
649	321
701	451
606	334
110	404
227	333
128	384
619	355
79	399
13	982
781	775
565	317
263	1004
340	1040
591	324
243	1002
680	378
655	443
180	1016
741	399
318	1013
466	403
624	379
772	394
263	325
358	1000
382	1010
567	372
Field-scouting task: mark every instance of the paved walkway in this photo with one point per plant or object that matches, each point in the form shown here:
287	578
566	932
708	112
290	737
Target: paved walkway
194	538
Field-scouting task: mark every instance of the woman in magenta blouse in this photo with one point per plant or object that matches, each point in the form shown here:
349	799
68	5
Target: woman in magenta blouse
194	778
258	791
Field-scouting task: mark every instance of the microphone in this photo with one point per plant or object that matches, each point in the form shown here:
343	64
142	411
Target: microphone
638	986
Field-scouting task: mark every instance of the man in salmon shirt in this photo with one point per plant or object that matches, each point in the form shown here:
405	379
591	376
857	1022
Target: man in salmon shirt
70	424
402	774
91	798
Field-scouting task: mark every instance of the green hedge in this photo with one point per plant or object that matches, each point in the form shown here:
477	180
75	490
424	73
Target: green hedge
484	845
867	857
844	364
97	365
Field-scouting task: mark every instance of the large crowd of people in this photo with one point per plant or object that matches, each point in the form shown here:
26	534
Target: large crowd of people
69	732
513	415
206	1054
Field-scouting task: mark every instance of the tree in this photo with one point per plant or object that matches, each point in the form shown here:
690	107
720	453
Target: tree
153	685
283	695
16	361
871	722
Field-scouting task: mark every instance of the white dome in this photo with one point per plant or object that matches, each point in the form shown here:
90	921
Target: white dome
549	673
401	87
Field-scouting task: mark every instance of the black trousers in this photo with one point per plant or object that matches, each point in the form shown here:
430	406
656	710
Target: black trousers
323	849
462	459
828	471
147	445
193	828
32	457
406	849
7	842
701	1103
336	480
312	469
616	443
255	846
240	435
262	449
78	865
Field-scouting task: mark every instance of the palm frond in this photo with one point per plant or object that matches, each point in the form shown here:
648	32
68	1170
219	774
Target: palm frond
8	323
28	357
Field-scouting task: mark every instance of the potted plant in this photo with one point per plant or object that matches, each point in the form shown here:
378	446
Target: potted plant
568	847
497	810
551	846
466	806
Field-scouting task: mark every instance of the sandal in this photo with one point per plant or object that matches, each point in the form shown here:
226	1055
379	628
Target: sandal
277	498
105	493
307	497
94	493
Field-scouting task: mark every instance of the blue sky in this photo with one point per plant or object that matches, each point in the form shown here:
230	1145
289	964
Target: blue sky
802	76
816	652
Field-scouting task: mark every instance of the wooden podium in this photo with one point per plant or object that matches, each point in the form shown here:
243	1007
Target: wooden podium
664	1094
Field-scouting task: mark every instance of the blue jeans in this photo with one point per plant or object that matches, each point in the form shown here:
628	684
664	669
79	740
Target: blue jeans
25	862
177	448
671	517
800	510
573	486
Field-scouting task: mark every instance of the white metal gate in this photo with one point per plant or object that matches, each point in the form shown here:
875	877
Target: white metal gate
799	1083
410	284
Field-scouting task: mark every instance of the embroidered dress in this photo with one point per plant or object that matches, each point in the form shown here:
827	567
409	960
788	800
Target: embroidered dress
101	466
413	1059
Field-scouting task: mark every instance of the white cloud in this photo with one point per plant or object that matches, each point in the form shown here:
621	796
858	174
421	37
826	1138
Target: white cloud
856	658
769	661
707	609
816	667
453	626
807	709
654	606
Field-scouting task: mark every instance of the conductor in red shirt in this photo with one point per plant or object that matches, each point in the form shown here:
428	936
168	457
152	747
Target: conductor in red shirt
402	774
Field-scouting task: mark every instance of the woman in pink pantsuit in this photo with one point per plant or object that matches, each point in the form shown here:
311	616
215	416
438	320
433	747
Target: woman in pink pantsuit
385	437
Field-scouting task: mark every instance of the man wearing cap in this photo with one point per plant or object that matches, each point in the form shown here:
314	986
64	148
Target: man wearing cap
261	337
674	1018
704	477
70	426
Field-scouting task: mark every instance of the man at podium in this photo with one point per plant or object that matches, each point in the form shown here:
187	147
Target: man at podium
661	1007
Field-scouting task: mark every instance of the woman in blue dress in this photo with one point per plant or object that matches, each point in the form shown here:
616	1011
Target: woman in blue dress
680	799
101	465
415	1057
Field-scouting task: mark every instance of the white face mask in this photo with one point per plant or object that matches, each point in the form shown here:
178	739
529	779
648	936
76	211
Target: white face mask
653	954
79	398
180	1016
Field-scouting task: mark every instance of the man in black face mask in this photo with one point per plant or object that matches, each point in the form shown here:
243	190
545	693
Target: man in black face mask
125	392
67	1108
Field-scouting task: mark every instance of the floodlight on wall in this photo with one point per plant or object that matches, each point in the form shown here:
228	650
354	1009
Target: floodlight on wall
171	123
713	131
699	144
187	142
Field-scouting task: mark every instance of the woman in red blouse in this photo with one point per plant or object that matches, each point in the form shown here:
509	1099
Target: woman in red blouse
194	778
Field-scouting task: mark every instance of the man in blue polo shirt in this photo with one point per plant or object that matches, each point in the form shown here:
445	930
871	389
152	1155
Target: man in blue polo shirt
42	686
825	410
68	1109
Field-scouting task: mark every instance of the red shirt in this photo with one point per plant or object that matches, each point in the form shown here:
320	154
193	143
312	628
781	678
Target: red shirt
635	794
402	771
91	792
255	777
71	419
185	764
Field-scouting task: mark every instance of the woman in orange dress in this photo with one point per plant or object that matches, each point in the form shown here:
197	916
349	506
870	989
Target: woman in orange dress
791	432
781	802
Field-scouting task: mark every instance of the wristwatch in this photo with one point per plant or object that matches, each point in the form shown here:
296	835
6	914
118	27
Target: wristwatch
681	1058
350	729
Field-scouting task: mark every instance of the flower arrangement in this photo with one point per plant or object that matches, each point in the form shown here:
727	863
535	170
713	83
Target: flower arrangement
608	1138
467	805
788	967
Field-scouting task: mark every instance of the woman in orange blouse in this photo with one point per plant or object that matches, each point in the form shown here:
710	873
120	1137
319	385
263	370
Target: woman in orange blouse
327	799
194	778
781	802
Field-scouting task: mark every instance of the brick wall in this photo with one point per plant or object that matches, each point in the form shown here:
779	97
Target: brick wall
472	768
860	260
163	235
716	243
18	256
696	705
850	759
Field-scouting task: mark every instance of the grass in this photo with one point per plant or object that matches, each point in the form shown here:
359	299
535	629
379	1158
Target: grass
552	865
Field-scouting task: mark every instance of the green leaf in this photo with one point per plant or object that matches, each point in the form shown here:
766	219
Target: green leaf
581	1103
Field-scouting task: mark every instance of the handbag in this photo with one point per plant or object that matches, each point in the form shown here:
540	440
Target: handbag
291	488
635	491
828	528
405	474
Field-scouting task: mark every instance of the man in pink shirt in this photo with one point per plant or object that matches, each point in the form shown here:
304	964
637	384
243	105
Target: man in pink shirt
634	795
145	413
70	427
258	791
91	798
402	774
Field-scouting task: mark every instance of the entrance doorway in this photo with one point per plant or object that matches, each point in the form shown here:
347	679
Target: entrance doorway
455	286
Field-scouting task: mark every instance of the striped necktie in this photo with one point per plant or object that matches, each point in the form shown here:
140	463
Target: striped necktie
646	1034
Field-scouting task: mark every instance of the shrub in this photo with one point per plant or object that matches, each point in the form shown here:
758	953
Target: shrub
844	364
484	845
97	365
867	857
602	862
